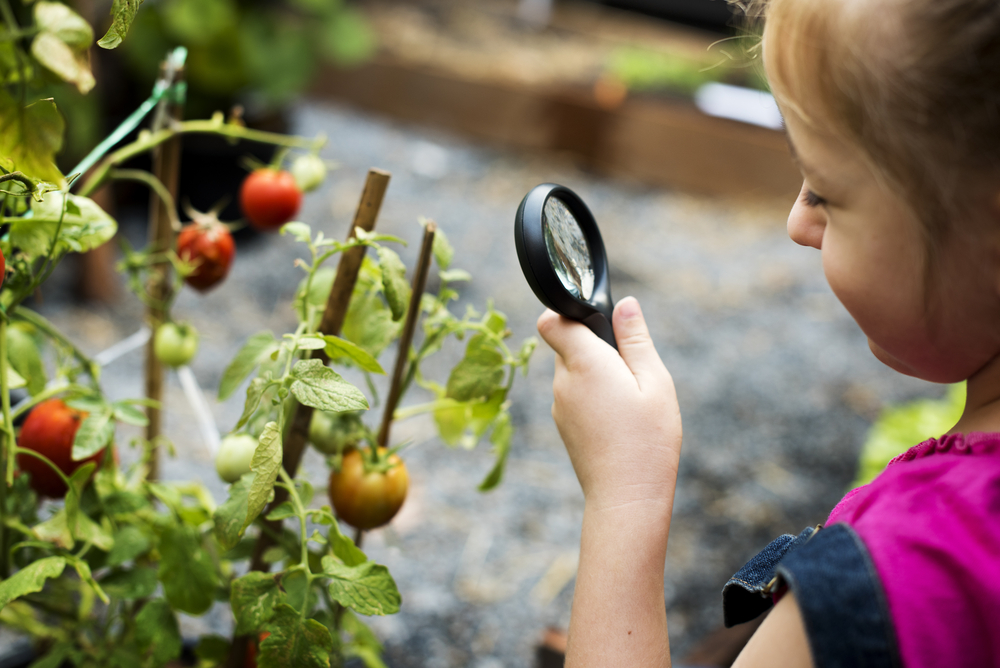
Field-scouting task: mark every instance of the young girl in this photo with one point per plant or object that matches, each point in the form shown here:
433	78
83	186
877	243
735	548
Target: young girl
892	109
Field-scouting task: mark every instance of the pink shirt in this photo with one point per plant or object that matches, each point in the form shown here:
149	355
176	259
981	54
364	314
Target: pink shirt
931	522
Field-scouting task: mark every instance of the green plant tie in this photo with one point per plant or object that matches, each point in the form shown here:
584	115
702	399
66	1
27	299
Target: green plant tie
175	93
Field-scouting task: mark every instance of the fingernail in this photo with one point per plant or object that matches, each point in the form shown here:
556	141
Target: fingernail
629	308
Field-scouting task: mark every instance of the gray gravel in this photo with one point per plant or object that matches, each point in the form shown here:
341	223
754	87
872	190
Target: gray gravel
776	386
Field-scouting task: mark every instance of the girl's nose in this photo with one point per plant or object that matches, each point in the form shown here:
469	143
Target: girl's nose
806	223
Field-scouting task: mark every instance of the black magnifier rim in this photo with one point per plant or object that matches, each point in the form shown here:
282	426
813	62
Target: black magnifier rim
529	238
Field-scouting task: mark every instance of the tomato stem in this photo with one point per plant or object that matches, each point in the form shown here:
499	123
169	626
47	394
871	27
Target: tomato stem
9	446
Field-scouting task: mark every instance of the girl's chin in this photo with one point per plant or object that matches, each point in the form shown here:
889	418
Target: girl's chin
893	363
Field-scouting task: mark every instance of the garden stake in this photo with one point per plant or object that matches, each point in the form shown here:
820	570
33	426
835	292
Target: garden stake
166	169
333	319
412	316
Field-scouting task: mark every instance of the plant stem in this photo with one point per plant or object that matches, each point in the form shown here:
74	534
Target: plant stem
409	326
214	127
40	323
9	442
156	185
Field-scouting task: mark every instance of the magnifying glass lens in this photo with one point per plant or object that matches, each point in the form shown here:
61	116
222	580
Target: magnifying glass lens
567	248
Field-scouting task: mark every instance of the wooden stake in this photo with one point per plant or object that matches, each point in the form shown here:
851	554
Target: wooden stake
166	167
409	326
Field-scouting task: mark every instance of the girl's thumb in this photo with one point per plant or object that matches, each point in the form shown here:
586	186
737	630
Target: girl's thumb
634	343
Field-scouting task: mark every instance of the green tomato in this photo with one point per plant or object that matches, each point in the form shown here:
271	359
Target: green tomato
235	453
175	344
333	433
308	172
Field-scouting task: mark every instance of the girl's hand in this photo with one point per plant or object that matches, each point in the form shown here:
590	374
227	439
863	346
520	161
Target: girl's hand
617	413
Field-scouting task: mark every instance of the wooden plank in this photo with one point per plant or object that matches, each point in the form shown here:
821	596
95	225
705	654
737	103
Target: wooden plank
661	142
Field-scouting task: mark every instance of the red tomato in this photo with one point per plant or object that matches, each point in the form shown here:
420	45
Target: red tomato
368	500
269	198
208	244
251	656
49	430
3	268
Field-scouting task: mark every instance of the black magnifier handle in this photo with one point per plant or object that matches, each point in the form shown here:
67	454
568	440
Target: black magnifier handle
562	256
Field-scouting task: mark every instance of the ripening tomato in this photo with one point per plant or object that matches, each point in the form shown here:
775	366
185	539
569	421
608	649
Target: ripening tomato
207	244
175	344
3	268
269	198
251	656
366	500
49	430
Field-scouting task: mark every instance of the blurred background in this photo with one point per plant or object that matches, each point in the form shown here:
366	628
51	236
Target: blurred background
656	113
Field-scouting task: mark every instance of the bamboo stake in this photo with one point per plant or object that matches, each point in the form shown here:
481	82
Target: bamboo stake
166	168
333	319
409	326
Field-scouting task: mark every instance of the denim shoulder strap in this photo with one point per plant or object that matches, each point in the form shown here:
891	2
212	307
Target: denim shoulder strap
747	595
842	602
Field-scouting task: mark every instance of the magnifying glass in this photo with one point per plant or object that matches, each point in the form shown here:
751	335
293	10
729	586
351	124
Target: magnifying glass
562	256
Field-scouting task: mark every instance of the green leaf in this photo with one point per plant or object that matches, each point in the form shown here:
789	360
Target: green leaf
503	432
212	649
25	358
366	588
443	252
31	578
124	503
363	643
89	531
130	542
321	387
14	380
369	323
130	584
344	547
255	392
157	632
228	517
347	37
479	373
30	137
129	414
299	231
284	511
257	349
397	290
452	419
80	232
312	342
338	348
94	434
187	571
123	13
55	530
295	642
265	463
62	44
455	275
253	598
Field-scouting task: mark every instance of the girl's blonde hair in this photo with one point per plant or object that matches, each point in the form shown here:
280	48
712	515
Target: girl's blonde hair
914	84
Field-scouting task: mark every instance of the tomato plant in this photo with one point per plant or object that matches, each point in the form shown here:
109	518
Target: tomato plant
49	430
208	246
269	198
335	433
367	492
175	344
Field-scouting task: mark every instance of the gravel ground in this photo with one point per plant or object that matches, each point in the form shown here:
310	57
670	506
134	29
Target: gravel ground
776	386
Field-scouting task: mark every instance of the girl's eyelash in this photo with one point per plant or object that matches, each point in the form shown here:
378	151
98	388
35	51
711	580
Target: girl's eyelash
813	200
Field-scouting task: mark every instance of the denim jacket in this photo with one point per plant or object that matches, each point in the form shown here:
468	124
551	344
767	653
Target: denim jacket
838	591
